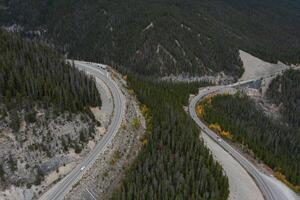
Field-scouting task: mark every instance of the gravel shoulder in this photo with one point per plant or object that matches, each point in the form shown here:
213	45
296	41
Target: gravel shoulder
255	67
241	185
107	103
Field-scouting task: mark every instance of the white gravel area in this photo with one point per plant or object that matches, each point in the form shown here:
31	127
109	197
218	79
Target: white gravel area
255	67
241	185
107	103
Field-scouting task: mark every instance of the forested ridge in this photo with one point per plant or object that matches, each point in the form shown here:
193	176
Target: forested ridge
284	90
158	38
31	72
173	163
275	143
162	37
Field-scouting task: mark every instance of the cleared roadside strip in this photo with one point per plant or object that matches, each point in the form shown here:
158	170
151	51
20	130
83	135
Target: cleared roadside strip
59	190
269	191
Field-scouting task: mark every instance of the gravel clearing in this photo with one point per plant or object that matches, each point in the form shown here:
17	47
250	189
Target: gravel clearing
255	67
107	103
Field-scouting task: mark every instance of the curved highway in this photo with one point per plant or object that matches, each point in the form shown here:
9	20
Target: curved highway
59	190
270	190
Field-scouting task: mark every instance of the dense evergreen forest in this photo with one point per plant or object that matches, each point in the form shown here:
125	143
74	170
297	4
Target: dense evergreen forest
174	163
31	72
285	91
277	144
154	37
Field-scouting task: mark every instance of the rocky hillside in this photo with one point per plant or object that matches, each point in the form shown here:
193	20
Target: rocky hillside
45	116
163	37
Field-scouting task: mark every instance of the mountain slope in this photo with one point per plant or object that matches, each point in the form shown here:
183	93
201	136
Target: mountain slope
162	37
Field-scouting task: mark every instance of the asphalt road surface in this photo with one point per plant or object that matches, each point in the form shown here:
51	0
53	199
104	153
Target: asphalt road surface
271	188
59	190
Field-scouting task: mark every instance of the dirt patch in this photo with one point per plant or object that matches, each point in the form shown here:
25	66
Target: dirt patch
63	170
255	67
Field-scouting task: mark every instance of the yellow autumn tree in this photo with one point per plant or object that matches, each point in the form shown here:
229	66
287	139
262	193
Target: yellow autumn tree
145	141
146	113
226	134
200	110
216	127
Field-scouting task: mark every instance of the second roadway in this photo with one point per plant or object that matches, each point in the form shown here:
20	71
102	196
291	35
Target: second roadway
271	188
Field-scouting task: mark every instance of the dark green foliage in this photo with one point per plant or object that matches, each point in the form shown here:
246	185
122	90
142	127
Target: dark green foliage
65	145
14	120
3	113
30	72
3	11
83	137
78	148
12	163
174	164
188	36
39	176
275	143
285	90
30	117
2	173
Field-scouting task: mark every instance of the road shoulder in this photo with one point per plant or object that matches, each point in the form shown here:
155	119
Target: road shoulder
104	176
241	185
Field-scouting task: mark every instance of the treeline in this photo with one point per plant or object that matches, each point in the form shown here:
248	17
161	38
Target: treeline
186	36
31	72
285	90
275	143
173	163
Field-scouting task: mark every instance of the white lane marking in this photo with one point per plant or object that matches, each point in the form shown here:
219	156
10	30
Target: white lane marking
90	193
